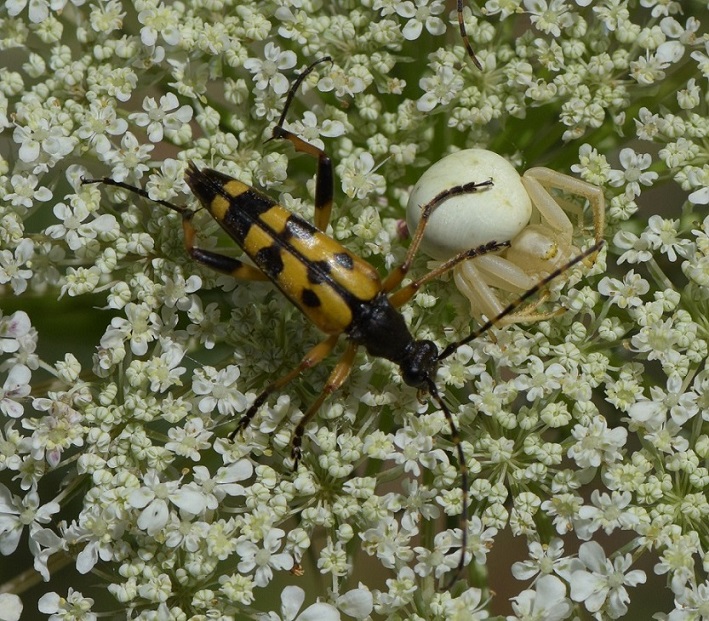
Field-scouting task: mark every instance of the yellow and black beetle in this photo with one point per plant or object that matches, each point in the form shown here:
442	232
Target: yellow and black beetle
336	290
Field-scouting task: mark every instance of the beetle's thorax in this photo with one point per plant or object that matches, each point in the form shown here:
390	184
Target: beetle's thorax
381	329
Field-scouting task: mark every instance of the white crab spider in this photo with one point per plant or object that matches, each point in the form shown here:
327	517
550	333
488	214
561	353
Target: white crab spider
519	209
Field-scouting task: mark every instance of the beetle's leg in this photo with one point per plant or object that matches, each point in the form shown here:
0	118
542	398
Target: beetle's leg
219	262
395	277
337	377
324	180
227	265
215	260
314	357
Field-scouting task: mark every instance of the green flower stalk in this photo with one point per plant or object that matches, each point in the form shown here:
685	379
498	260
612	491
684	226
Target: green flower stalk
124	365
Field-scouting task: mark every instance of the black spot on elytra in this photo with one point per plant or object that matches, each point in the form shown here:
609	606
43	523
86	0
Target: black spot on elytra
318	271
244	210
270	261
310	298
344	260
300	229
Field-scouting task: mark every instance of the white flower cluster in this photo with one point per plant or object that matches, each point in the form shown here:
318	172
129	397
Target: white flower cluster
124	365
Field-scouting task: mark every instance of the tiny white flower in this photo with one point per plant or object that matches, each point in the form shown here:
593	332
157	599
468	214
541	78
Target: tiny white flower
43	137
129	159
219	389
311	128
690	603
699	178
225	482
638	249
189	439
16	387
101	119
153	498
596	443
140	326
357	603
38	9
13	329
543	559
77	227
440	89
419	15
663	235
16	512
73	606
25	194
11	266
264	559
624	294
634	174
166	116
292	598
609	512
359	178
11	606
601	585
546	601
159	21
163	372
267	71
549	17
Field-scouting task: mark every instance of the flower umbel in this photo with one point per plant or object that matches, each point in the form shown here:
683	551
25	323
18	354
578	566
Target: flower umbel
125	365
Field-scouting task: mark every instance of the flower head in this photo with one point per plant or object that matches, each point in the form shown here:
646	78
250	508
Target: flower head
152	405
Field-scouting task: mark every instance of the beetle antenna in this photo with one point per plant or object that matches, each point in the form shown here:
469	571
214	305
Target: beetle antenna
463	468
466	39
435	395
137	190
295	86
515	304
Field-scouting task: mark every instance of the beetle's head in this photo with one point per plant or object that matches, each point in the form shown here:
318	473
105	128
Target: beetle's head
419	365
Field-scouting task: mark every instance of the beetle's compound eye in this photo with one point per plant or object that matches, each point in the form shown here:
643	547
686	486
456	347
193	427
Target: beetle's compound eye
419	365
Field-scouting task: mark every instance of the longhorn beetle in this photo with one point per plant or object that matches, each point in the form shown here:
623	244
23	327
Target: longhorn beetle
335	289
